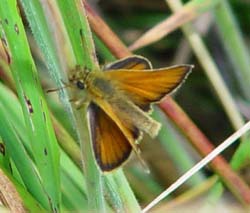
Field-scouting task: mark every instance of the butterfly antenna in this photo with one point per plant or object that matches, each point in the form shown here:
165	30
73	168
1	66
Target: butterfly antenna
59	88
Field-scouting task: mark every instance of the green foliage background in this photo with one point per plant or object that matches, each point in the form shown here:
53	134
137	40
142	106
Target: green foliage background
47	152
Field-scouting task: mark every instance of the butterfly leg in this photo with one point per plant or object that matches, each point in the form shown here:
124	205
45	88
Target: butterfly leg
78	103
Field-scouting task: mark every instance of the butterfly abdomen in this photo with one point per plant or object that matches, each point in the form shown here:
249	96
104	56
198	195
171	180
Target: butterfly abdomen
133	114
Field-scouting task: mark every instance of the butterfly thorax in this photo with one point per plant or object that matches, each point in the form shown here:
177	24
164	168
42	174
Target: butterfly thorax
101	86
94	82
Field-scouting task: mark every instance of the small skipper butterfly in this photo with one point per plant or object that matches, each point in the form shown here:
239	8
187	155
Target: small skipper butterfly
120	96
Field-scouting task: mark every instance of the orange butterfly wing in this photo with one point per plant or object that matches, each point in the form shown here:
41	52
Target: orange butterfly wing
146	86
113	137
111	146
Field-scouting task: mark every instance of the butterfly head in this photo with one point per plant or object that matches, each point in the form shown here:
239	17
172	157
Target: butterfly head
78	77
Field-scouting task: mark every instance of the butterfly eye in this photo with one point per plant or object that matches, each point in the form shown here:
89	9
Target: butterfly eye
80	85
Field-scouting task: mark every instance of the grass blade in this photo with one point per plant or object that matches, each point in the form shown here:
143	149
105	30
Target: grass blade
234	45
38	124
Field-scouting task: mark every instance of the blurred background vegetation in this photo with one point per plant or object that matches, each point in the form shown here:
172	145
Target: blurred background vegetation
212	35
130	19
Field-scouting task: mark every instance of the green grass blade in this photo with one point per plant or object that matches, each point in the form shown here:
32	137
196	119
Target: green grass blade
16	151
122	191
72	185
79	33
38	124
233	41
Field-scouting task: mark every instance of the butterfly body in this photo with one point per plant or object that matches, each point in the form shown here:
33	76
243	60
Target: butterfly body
102	89
120	99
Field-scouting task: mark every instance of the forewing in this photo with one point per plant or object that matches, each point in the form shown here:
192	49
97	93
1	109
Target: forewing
144	87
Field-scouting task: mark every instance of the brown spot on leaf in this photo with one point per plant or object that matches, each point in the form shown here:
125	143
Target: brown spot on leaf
45	151
29	105
16	28
81	32
2	148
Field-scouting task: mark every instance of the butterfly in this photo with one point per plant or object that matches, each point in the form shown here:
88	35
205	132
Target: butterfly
120	97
